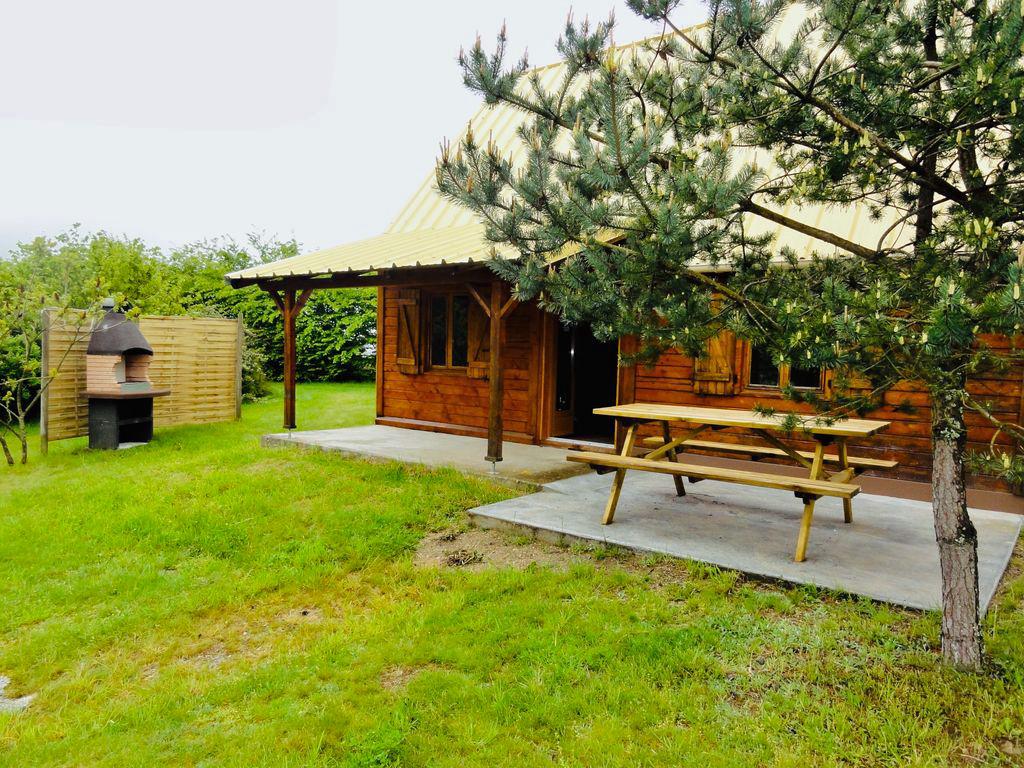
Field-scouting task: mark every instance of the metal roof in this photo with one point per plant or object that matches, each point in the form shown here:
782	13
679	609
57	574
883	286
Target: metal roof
431	230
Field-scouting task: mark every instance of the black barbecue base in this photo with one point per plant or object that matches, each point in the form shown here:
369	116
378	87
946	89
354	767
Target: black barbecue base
116	421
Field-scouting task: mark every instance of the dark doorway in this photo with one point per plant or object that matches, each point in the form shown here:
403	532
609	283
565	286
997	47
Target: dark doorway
586	376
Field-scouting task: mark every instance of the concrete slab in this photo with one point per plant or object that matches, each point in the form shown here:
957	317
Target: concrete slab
529	464
888	553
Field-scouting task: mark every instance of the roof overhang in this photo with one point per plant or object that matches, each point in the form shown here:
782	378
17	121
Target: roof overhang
360	262
397	276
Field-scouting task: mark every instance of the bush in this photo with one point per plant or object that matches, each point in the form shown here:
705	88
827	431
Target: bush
336	336
255	384
336	330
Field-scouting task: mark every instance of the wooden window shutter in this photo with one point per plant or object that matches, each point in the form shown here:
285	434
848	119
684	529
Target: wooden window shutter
828	382
408	350
479	342
714	372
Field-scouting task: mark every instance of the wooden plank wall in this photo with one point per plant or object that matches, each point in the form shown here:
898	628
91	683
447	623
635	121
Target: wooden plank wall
197	358
908	439
450	401
439	397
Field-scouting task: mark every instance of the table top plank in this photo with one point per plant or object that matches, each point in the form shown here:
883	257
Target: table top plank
733	417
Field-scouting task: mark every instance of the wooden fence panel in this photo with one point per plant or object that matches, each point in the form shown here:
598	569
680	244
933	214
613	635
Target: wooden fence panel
64	412
197	358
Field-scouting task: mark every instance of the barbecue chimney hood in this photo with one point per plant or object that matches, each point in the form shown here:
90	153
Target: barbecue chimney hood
118	357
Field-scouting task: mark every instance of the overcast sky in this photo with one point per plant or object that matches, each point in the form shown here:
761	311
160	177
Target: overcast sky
176	121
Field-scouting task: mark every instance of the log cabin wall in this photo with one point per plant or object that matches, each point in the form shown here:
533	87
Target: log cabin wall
453	400
456	401
908	439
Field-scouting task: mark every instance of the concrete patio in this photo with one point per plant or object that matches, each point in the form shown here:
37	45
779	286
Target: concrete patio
531	464
888	553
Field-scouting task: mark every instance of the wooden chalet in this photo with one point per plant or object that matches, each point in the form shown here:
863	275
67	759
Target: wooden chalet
456	354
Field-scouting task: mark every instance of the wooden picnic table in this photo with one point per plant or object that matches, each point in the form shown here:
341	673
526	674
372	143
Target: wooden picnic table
829	474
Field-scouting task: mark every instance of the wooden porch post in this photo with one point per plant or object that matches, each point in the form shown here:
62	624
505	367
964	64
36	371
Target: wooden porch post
289	306
497	378
289	359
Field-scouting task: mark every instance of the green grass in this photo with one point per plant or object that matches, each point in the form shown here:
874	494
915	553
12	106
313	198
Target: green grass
203	601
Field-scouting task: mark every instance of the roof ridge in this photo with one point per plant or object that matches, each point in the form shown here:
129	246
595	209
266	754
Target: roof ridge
483	108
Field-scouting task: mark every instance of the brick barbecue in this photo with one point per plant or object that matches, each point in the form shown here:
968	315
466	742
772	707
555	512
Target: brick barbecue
117	382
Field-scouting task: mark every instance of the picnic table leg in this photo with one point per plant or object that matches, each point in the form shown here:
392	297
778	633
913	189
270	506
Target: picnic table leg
620	474
671	456
844	464
817	466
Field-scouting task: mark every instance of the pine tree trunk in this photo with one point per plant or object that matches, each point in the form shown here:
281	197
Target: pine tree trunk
955	534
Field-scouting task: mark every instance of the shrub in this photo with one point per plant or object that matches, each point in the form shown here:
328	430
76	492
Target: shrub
255	384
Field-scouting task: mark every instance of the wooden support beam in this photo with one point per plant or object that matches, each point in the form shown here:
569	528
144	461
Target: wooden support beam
289	305
479	299
301	301
239	350
497	379
381	306
509	305
288	313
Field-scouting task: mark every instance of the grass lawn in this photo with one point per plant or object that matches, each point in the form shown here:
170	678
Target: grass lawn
203	601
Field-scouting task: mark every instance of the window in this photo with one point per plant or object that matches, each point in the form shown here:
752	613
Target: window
765	373
448	330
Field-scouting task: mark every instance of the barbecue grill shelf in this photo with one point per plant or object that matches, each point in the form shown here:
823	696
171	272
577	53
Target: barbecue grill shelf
138	395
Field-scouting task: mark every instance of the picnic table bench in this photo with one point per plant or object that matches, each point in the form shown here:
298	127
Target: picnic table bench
772	429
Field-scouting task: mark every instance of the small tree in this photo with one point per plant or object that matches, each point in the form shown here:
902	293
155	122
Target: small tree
651	165
22	378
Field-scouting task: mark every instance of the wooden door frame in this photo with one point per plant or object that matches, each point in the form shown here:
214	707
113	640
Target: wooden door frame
625	384
548	376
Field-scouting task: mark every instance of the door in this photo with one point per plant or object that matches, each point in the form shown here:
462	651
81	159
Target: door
585	374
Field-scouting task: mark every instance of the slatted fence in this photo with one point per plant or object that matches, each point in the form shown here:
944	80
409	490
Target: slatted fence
198	358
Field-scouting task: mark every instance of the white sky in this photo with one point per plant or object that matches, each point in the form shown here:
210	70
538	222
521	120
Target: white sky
185	119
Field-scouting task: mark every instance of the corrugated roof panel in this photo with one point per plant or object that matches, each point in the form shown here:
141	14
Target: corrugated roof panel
431	230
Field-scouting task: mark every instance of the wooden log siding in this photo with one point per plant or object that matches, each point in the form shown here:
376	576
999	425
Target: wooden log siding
908	440
457	399
196	358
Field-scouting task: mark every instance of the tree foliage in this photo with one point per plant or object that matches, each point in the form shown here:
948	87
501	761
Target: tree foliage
76	270
658	165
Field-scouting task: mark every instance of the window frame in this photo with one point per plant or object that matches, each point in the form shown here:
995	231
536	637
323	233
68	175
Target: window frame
449	296
784	377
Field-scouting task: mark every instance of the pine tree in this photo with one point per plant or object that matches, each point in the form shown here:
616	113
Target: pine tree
650	162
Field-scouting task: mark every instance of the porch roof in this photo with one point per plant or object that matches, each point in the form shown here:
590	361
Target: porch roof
457	245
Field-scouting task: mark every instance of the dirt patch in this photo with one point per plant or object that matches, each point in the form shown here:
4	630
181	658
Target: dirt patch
1010	747
460	558
479	549
310	615
275	625
398	677
211	658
